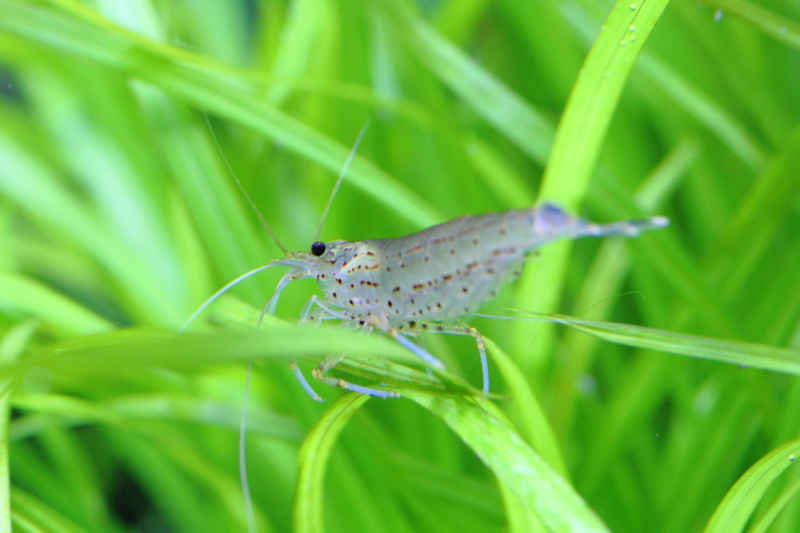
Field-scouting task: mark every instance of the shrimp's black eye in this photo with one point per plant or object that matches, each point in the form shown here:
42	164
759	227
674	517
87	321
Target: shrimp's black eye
318	248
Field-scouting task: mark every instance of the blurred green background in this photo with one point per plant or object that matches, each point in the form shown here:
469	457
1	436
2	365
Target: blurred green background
118	217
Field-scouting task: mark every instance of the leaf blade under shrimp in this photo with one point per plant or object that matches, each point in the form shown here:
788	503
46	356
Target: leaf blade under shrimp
480	424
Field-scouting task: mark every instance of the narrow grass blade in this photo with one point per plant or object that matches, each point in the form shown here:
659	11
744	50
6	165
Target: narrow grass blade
745	354
665	255
127	409
758	220
594	100
33	516
380	370
499	175
692	98
661	183
11	347
716	118
735	509
766	520
44	195
32	298
771	23
313	458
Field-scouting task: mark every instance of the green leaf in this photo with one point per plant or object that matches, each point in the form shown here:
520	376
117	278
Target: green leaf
765	521
12	346
745	354
31	515
530	416
122	350
594	99
485	429
313	459
734	511
771	23
20	294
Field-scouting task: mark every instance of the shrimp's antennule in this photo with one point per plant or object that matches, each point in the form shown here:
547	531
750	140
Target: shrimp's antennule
241	188
341	178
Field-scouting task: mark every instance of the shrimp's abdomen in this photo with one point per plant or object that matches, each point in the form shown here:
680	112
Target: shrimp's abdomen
449	270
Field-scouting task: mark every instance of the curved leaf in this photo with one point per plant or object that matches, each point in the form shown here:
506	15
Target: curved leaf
313	458
484	428
735	509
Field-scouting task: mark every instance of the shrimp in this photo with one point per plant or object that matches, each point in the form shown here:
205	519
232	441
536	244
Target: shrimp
420	282
427	280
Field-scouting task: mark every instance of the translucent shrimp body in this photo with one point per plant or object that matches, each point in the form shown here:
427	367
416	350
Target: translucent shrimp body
445	271
428	279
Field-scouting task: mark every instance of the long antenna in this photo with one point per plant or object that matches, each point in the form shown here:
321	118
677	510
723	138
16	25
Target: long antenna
222	291
341	177
241	188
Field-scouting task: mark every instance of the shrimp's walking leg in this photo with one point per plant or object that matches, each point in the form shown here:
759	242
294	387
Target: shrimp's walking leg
330	312
303	382
377	322
305	317
329	363
418	351
471	332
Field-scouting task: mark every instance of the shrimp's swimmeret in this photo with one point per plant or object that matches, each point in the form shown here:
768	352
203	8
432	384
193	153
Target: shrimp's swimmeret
426	280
